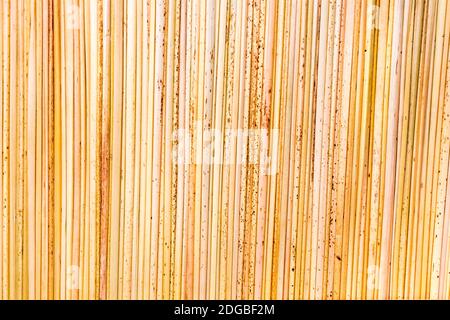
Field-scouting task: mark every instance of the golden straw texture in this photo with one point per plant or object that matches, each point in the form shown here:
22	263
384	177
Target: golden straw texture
205	149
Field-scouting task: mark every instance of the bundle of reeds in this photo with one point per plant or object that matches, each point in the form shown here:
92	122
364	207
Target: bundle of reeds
204	149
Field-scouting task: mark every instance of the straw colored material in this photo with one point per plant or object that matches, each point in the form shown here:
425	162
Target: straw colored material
225	149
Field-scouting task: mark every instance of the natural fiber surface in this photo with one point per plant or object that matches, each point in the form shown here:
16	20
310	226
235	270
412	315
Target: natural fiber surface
205	149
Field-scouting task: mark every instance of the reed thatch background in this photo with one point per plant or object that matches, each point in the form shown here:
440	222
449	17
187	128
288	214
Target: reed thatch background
205	149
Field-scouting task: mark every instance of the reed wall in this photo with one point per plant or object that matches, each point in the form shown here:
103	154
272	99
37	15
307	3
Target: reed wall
204	149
